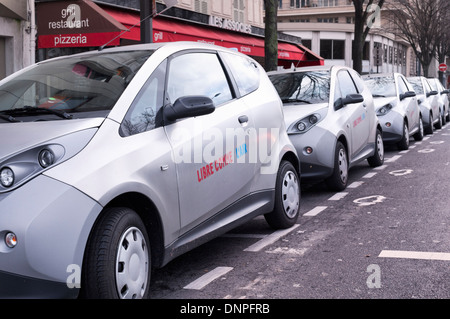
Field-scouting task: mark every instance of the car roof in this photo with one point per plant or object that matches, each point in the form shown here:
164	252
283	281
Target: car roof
308	68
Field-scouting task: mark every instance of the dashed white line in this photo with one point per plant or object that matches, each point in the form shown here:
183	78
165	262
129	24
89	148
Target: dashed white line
392	159
355	184
338	196
207	278
414	255
270	239
379	168
370	175
316	210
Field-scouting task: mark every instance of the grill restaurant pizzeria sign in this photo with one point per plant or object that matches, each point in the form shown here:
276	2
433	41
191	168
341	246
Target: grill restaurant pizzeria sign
75	24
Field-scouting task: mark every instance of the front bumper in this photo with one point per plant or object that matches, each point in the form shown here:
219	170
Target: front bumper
320	163
392	125
14	287
52	222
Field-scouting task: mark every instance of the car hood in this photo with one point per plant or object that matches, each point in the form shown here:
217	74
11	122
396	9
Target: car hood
380	101
16	137
294	112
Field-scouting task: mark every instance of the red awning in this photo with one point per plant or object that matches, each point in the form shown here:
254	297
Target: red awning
165	30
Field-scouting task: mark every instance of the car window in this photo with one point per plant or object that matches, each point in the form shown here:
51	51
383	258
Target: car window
344	85
417	85
198	73
402	87
358	81
302	87
245	72
145	112
381	86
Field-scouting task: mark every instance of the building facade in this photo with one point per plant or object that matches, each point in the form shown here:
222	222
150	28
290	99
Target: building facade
327	28
17	35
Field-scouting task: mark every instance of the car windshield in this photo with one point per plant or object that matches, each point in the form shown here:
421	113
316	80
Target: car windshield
417	85
381	86
309	87
74	86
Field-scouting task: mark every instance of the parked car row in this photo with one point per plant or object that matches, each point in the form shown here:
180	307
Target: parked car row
336	118
117	161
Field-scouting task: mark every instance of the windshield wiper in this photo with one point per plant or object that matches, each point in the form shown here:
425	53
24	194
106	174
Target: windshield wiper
9	118
378	95
295	100
30	109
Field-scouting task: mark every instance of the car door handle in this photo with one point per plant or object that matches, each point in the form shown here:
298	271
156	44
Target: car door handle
243	119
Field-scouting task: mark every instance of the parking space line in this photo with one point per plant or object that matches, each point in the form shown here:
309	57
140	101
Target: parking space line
338	196
392	159
270	239
369	175
208	278
355	184
414	255
379	168
316	210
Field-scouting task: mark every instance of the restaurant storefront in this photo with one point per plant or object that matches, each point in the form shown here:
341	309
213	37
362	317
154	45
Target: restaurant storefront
66	27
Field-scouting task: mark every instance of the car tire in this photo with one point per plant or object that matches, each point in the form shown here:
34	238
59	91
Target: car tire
339	179
420	134
287	198
439	123
403	144
429	129
378	158
117	261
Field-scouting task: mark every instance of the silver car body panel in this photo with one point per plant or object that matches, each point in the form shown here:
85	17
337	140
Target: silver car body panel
429	105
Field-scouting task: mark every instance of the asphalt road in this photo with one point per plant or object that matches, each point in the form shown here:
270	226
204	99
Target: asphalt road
385	237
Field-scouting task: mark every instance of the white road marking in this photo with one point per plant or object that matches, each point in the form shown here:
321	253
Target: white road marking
208	278
401	172
392	159
355	184
379	168
270	239
414	255
316	210
370	175
338	196
369	200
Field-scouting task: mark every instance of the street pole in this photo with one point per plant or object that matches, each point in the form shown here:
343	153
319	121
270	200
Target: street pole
147	8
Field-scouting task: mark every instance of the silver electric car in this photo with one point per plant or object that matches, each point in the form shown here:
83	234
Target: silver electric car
330	118
396	107
436	85
116	161
428	102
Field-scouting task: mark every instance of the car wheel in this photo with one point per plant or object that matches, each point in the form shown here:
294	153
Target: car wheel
287	198
419	135
404	142
378	158
339	179
430	128
117	262
439	123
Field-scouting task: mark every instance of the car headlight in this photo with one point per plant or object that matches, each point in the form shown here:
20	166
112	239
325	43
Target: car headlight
18	169
6	177
306	123
385	109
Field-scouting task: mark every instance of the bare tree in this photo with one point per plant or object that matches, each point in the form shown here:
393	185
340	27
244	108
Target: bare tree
421	24
365	13
271	36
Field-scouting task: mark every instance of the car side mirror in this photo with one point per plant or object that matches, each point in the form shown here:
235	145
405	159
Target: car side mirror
407	94
432	93
445	91
189	106
349	99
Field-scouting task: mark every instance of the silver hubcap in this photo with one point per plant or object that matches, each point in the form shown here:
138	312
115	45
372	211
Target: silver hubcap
343	166
380	146
132	264
289	193
406	134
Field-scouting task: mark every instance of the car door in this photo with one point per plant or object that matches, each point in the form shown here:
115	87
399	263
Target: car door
357	114
210	151
409	104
